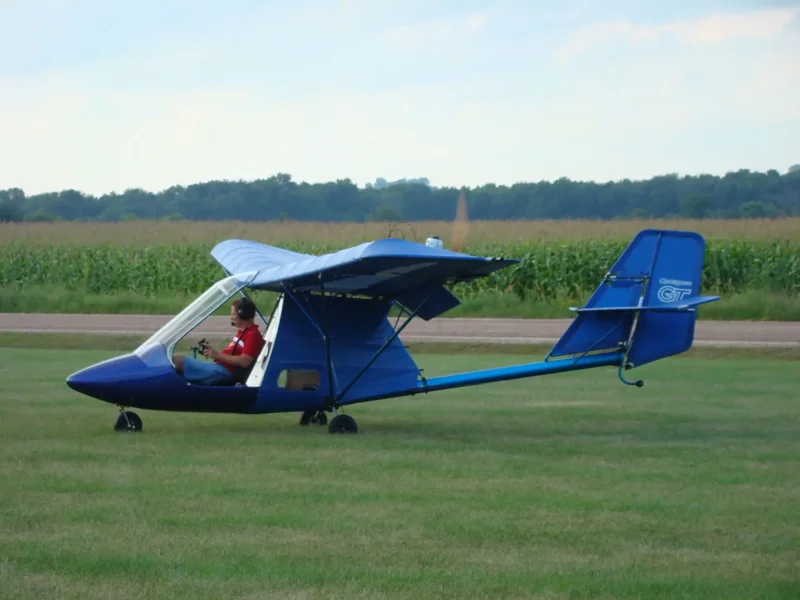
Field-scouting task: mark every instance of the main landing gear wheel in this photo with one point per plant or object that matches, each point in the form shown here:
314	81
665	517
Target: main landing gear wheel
128	421
313	417
343	424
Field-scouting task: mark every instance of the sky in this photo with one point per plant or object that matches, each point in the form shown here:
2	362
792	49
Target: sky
102	96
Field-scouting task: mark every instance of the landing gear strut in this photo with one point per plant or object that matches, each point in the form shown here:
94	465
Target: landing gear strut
313	417
341	423
127	421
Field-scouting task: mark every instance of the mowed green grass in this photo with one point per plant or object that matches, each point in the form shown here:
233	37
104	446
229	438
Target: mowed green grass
567	486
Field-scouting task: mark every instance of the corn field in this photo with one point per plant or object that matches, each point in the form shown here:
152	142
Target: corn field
549	270
138	233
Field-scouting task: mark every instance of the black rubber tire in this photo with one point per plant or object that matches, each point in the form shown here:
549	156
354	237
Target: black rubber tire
133	423
343	424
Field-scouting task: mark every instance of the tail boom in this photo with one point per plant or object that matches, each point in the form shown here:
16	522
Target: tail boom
534	369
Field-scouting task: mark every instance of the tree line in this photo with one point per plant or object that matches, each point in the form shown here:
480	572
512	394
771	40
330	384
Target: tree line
739	194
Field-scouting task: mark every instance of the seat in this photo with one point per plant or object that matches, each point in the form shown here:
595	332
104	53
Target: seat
238	378
242	375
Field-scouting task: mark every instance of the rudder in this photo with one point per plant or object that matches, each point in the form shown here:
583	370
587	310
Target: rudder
675	277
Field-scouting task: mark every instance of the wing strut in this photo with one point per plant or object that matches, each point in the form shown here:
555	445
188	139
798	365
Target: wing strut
383	347
326	333
322	326
305	312
323	332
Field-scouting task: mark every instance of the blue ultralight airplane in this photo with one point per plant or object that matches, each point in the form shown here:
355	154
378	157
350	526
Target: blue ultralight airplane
329	342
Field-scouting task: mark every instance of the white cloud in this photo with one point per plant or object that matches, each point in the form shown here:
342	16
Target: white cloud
98	142
417	35
702	30
249	102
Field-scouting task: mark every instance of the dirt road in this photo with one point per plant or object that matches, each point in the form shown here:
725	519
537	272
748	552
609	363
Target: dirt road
717	333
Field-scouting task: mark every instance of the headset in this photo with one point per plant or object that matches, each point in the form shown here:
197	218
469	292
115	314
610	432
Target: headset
246	309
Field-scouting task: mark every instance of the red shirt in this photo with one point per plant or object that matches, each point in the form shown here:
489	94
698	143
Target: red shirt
246	341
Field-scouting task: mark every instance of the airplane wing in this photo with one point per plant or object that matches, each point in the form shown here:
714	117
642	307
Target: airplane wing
240	256
401	270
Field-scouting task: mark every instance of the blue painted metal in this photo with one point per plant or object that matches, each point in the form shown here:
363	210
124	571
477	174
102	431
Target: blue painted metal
534	369
644	309
150	382
646	302
379	352
676	274
233	255
637	383
326	332
361	328
389	268
427	302
679	306
358	332
305	312
594	331
447	382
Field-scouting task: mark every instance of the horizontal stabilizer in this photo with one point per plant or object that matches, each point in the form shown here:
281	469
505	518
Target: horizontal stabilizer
683	305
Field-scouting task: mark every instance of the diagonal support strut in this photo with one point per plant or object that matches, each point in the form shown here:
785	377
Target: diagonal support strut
381	350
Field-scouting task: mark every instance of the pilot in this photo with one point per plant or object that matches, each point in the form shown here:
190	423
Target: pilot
232	361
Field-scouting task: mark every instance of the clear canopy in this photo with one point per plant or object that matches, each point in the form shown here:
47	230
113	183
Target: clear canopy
194	314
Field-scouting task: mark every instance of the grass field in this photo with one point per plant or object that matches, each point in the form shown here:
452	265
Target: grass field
159	267
570	486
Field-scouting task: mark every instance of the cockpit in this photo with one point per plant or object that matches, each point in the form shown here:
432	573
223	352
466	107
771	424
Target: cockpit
182	324
194	314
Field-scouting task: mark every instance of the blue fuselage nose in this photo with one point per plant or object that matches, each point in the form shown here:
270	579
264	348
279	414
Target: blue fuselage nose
147	379
112	380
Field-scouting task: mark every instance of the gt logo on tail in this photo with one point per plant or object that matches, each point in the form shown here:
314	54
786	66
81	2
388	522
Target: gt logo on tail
670	292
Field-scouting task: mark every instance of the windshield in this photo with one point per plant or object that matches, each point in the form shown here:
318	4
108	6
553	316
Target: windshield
191	316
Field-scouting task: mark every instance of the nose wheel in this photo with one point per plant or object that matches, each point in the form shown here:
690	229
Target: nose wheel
127	421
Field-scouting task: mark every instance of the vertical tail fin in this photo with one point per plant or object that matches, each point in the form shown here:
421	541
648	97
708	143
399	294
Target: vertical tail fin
645	303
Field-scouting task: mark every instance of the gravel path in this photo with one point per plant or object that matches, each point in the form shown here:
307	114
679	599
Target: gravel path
719	333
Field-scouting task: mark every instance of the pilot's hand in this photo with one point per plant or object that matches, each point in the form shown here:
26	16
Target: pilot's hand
208	351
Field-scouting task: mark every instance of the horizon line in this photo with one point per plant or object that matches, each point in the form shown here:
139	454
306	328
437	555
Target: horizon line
416	181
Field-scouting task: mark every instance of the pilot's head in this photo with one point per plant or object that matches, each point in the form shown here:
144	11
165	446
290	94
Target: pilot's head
243	312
